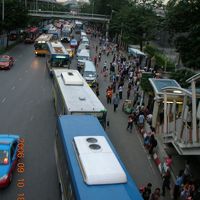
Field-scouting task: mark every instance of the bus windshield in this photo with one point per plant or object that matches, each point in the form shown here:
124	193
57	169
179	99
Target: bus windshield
40	46
59	61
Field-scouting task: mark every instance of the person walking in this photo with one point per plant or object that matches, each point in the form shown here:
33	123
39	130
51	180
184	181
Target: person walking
166	181
177	186
147	192
128	93
120	90
97	90
109	95
156	194
116	102
130	123
153	143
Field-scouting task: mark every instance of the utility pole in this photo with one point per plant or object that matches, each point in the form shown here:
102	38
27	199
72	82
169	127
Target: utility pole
2	10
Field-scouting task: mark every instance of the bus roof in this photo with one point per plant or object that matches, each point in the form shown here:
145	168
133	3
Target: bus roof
57	48
44	38
71	126
78	97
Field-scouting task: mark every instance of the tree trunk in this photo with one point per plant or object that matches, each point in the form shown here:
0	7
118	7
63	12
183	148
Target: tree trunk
141	45
7	39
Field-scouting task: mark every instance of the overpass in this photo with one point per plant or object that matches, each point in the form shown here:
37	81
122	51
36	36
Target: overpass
68	15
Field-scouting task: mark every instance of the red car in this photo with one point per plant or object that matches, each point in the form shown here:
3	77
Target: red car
6	62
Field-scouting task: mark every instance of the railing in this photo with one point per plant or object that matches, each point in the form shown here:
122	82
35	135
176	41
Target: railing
69	15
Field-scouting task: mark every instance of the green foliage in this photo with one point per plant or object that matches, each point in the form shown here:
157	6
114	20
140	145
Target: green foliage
181	76
160	58
182	19
15	15
144	83
137	24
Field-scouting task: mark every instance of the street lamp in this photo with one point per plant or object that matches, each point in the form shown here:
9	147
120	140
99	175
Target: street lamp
2	10
92	8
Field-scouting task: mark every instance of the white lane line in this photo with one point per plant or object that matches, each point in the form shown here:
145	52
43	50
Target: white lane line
13	87
3	100
148	156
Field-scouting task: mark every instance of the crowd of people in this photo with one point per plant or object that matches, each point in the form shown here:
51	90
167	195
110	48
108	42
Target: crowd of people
124	75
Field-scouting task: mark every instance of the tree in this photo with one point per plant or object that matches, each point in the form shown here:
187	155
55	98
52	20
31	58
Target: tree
182	19
135	23
16	16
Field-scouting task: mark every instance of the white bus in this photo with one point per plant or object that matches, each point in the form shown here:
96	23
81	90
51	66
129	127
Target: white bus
73	96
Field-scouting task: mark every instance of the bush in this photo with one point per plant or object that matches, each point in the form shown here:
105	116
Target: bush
161	59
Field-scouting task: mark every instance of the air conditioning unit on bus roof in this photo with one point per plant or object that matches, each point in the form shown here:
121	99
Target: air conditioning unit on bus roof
97	161
71	77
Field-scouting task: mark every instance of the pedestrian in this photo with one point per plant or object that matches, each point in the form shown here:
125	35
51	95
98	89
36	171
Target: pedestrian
95	60
116	102
109	95
152	143
120	90
105	66
141	120
130	123
156	194
147	192
97	89
166	181
177	186
128	93
187	172
114	86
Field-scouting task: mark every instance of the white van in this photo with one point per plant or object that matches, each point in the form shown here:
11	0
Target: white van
83	55
89	73
83	34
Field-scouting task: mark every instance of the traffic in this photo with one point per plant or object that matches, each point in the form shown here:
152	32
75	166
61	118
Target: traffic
72	82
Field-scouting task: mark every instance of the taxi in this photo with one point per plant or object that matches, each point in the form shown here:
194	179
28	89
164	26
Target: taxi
6	62
8	158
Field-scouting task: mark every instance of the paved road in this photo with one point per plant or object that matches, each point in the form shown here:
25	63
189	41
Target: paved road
26	108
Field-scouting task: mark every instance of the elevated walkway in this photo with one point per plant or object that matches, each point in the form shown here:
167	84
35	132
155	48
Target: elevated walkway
68	15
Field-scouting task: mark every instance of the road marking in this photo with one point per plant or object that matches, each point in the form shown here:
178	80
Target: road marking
3	100
13	87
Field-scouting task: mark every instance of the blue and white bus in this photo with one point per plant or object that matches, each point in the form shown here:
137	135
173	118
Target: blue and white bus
58	56
88	165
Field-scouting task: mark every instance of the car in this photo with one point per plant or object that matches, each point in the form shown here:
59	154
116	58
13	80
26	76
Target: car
6	62
8	158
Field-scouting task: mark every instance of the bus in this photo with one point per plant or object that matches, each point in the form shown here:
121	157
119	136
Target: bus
88	165
31	34
41	47
58	57
72	96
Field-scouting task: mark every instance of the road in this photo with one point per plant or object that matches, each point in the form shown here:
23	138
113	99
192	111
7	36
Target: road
26	108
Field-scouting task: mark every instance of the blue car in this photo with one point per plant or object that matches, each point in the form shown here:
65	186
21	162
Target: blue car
8	158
